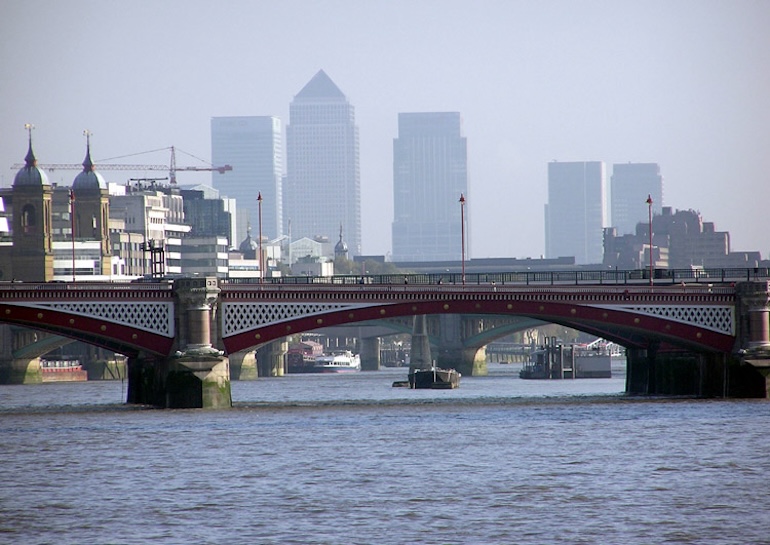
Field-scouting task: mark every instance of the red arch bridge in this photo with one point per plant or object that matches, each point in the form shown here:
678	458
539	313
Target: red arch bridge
708	328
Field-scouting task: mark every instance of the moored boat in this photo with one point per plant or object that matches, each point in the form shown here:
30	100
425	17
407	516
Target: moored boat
434	378
300	358
64	370
557	361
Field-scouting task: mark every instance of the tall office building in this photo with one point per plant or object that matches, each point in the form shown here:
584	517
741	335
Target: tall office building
630	186
253	146
575	213
430	172
322	189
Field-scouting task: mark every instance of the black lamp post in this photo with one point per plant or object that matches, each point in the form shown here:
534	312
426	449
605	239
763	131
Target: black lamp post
649	209
462	236
261	267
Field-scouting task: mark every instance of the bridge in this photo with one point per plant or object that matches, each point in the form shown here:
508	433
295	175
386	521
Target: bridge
179	335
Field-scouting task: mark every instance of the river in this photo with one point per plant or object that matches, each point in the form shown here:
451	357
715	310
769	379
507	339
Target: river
349	459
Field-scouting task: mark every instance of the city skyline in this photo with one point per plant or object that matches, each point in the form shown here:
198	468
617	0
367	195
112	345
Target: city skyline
682	85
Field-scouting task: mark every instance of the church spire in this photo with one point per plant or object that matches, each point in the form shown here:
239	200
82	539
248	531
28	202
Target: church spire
30	174
88	165
30	158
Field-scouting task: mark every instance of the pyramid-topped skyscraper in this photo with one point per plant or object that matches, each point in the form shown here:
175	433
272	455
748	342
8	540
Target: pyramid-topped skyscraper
323	183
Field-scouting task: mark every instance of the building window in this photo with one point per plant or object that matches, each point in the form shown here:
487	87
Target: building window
28	222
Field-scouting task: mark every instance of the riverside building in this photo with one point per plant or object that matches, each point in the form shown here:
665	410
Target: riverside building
430	172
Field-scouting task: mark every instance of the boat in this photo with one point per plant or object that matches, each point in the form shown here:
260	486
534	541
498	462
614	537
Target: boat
63	370
434	378
557	361
300	357
342	361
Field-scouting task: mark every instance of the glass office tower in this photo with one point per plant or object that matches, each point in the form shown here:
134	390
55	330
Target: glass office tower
430	172
253	146
322	190
630	185
575	213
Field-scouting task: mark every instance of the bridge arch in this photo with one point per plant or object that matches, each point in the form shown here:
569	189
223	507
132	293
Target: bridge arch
123	318
699	320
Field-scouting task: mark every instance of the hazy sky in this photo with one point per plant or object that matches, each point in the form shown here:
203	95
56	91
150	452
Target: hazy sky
682	83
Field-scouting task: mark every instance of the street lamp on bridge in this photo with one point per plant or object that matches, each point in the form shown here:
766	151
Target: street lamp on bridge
649	209
261	267
462	236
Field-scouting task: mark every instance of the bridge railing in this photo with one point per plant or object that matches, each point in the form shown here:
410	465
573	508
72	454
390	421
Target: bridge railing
84	290
563	277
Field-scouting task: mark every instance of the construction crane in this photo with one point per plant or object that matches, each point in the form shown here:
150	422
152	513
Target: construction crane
172	168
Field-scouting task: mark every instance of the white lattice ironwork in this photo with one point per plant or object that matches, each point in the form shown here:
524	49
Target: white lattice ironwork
240	317
715	318
156	318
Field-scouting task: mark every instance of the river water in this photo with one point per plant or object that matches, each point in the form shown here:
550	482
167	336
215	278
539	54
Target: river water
350	459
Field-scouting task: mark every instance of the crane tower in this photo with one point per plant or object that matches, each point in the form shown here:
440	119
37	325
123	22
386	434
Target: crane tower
172	167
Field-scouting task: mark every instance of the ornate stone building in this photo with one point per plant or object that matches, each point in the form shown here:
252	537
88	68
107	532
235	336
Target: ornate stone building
32	202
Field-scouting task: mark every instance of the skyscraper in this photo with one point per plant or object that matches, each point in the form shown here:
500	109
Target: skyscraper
430	172
631	183
323	183
575	213
253	146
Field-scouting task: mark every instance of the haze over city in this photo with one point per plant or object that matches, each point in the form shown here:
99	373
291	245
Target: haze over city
683	84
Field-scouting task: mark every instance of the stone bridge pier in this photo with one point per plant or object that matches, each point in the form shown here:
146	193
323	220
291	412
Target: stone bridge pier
753	307
370	354
453	353
271	357
15	369
197	375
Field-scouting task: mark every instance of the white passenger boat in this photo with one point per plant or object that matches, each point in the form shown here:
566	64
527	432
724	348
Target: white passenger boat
338	362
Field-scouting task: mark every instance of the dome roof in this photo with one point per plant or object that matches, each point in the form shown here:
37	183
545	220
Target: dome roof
249	246
341	248
30	175
89	178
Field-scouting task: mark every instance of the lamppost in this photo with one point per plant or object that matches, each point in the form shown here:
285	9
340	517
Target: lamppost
261	268
462	236
72	228
649	209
